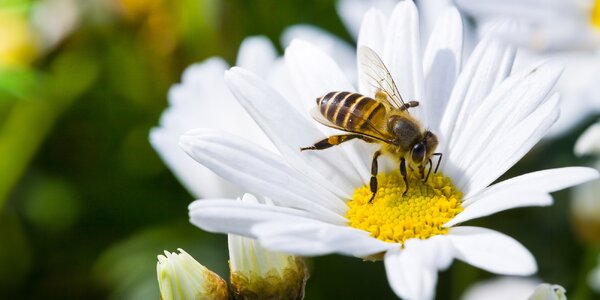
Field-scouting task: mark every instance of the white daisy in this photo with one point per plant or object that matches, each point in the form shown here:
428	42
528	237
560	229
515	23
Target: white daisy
485	119
566	30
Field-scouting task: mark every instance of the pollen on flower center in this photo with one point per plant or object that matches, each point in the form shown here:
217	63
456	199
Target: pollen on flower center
595	18
391	217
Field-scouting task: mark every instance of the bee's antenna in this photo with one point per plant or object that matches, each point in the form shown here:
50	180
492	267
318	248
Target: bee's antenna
438	162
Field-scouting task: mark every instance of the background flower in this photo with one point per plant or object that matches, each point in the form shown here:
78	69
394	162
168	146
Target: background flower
565	31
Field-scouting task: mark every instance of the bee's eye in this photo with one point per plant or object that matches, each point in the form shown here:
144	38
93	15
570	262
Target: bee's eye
417	154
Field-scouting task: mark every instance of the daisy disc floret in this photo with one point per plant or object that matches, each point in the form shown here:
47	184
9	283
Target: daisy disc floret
394	217
485	116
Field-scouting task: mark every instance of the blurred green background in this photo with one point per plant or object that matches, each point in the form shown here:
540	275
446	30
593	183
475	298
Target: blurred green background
85	202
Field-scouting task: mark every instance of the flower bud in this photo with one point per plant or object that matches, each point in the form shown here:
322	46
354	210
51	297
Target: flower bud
547	291
257	273
181	277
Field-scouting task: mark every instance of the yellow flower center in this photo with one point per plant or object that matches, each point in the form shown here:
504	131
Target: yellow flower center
596	14
421	213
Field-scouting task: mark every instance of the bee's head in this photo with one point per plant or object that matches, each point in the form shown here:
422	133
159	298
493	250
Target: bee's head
421	151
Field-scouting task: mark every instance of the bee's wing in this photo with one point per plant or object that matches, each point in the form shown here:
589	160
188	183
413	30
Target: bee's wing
371	132
378	76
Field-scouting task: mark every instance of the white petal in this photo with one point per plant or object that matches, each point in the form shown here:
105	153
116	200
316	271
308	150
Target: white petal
491	203
546	181
202	100
402	53
290	131
506	151
343	53
372	35
430	12
488	65
492	251
235	217
409	273
589	141
313	72
352	12
197	179
526	190
256	54
260	172
310	238
441	65
505	108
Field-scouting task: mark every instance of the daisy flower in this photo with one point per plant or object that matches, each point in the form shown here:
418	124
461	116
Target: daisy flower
567	31
485	120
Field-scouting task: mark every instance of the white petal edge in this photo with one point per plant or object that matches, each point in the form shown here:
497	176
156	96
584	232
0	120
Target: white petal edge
488	65
343	53
486	205
352	12
197	179
315	74
491	251
310	238
372	35
442	62
402	54
531	189
257	54
259	171
519	140
409	273
235	217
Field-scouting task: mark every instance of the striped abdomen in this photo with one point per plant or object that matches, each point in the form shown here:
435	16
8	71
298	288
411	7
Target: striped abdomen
351	110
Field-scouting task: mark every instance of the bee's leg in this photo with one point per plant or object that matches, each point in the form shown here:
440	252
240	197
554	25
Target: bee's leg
428	171
331	141
409	105
422	171
373	182
403	172
438	162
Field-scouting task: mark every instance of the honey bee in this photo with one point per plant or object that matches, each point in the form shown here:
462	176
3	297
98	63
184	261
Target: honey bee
384	119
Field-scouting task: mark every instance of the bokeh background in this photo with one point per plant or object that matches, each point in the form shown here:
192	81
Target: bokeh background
85	202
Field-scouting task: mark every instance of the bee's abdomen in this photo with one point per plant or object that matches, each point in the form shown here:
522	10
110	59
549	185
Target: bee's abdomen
350	110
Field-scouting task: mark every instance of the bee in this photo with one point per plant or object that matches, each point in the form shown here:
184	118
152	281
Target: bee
383	119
